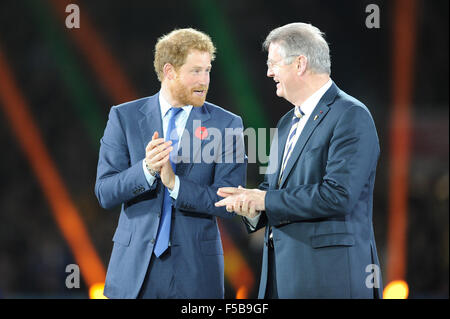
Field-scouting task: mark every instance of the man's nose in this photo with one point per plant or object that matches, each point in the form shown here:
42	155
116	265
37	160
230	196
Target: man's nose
204	80
270	73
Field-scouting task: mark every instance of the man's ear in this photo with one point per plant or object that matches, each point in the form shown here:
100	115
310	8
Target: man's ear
169	71
301	62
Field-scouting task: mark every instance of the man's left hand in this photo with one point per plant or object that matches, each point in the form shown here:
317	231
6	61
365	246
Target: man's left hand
244	202
167	175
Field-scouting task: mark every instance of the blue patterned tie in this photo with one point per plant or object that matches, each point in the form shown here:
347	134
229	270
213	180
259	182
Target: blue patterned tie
298	114
162	238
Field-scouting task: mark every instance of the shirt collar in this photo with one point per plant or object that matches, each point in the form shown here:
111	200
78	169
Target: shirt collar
308	106
165	106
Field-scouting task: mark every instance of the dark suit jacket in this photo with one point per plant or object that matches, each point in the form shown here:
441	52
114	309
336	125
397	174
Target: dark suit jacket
321	213
196	246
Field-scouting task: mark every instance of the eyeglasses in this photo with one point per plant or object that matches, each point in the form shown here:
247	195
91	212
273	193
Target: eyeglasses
272	64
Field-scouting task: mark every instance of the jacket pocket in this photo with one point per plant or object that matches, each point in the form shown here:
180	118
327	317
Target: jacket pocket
122	237
327	240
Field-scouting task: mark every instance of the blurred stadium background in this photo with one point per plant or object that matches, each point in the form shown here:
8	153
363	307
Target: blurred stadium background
58	84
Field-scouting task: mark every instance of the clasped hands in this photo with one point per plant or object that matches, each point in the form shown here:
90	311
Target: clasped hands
157	155
245	202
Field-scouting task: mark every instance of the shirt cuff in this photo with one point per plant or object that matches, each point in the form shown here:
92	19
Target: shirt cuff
174	192
253	222
149	177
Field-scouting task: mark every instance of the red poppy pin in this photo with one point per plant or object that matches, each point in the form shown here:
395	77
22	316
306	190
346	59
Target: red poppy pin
201	132
317	116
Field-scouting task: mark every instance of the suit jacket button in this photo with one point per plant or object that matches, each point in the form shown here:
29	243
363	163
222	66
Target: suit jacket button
152	241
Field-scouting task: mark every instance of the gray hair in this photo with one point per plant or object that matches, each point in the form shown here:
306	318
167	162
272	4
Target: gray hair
302	39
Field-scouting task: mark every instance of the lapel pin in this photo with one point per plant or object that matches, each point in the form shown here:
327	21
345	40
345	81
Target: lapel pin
201	132
317	116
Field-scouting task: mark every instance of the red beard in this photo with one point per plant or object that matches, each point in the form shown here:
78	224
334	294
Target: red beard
187	96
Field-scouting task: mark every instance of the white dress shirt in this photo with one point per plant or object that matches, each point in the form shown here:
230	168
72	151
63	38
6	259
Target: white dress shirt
180	124
307	108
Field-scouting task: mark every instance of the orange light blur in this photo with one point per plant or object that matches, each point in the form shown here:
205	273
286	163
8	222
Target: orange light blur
404	36
237	270
63	208
242	293
101	60
397	289
96	291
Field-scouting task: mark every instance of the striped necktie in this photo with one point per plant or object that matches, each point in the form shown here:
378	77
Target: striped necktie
163	235
298	114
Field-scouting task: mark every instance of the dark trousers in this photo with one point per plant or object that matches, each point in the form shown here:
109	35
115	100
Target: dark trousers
271	290
159	282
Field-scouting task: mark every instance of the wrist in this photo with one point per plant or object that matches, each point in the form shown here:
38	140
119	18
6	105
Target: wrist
263	201
149	169
171	184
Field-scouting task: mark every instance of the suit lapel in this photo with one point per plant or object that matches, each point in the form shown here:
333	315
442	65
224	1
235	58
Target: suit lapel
151	121
319	113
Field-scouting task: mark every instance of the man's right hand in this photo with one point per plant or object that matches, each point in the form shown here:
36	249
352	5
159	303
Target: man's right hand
157	152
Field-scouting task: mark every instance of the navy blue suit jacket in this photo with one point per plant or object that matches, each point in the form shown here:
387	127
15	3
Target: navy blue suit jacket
196	246
321	213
